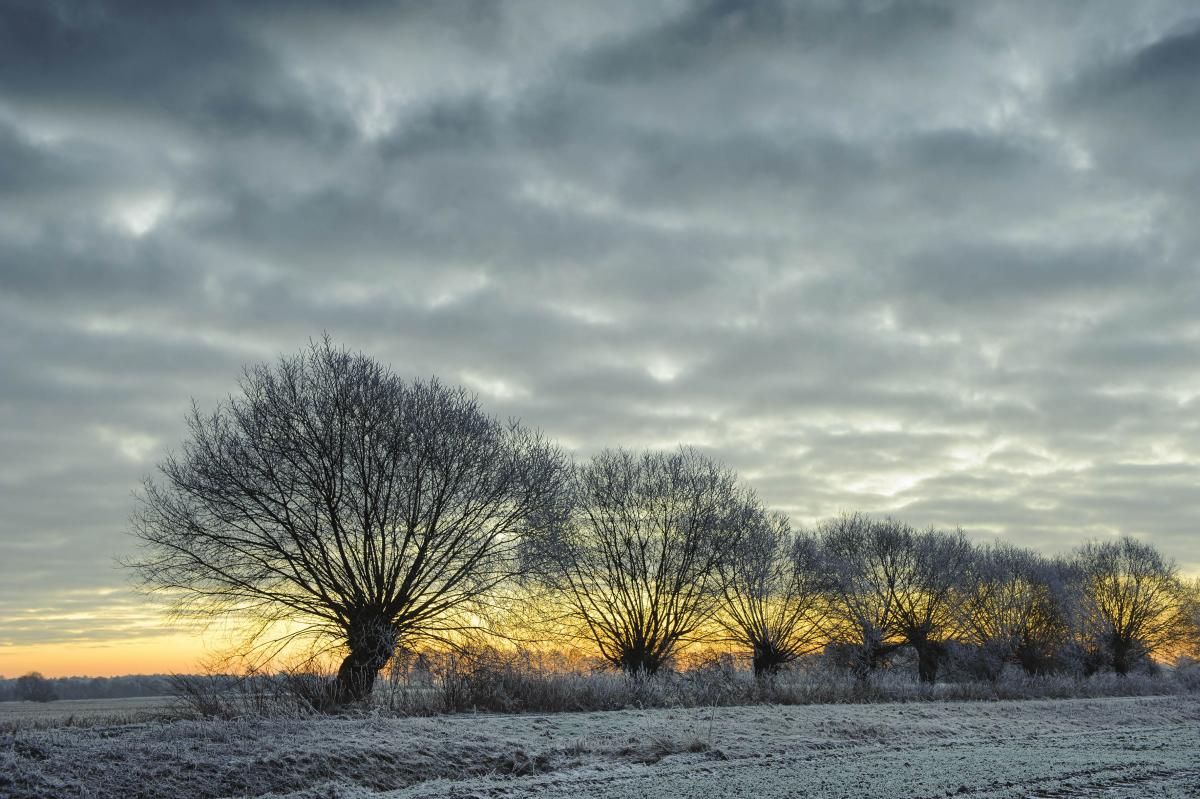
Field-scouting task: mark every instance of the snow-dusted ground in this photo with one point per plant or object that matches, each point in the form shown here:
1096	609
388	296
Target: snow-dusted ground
1125	747
85	709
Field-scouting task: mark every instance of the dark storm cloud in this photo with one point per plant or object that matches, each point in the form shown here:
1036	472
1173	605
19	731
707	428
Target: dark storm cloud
934	259
1153	85
197	64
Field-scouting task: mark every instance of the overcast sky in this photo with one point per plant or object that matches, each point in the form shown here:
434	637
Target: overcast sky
939	260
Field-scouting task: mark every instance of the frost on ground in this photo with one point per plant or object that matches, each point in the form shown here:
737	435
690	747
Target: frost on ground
140	708
1122	747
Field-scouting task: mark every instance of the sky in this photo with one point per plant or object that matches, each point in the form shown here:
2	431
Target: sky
937	260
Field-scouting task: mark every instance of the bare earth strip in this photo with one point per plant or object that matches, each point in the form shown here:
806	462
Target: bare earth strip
1126	747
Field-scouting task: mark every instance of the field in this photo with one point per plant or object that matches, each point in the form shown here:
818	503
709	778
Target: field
84	710
1114	747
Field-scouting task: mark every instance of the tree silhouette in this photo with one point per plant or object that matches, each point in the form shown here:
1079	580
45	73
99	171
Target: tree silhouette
636	558
772	586
859	555
337	500
1133	603
1015	607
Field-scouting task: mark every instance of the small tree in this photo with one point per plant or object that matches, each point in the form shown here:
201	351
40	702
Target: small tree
1015	607
337	500
930	568
636	558
891	586
773	593
33	687
860	557
1191	644
1133	604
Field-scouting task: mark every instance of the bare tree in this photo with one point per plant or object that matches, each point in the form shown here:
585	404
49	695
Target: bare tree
892	586
635	560
1191	644
1133	604
340	501
860	558
1015	607
773	588
930	568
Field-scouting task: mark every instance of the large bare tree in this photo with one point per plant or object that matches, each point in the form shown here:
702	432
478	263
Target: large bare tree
335	499
773	585
635	560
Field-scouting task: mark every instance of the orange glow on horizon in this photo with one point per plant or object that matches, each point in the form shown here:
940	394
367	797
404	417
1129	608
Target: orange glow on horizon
179	653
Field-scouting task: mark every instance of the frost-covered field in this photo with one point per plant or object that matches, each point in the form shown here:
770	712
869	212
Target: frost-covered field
84	709
1120	747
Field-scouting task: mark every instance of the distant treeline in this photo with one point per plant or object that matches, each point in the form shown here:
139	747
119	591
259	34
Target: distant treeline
35	687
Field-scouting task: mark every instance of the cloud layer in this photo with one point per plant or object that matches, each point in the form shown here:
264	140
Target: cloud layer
932	259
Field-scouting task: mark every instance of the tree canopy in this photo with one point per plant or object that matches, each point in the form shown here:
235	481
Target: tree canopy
342	501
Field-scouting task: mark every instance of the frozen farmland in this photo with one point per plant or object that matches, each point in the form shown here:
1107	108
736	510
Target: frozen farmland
1112	747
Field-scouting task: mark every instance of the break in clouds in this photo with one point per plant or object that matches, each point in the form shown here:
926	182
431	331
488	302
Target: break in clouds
938	260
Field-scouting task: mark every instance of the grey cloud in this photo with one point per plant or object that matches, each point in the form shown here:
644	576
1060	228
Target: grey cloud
24	168
737	28
931	259
982	272
1156	81
199	65
1139	109
446	125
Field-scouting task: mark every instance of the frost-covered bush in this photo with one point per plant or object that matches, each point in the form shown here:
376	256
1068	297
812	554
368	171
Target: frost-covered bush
1187	673
286	693
512	682
974	663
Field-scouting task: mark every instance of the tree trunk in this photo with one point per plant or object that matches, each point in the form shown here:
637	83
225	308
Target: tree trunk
639	661
767	660
355	678
1094	658
1032	658
870	652
929	655
1121	649
927	665
371	643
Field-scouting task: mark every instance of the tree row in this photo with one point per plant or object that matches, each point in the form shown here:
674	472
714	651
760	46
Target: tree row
333	499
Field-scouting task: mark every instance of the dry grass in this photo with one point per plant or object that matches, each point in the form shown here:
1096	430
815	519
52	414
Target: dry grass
497	682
